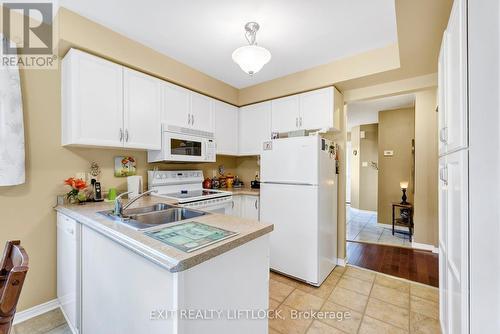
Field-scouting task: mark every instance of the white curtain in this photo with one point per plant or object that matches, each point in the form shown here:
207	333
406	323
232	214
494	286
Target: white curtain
12	168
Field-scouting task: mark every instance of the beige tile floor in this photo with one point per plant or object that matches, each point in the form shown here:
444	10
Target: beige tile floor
373	303
52	322
376	303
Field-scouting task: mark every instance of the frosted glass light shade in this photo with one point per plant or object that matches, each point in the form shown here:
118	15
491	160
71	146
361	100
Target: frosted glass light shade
403	184
251	58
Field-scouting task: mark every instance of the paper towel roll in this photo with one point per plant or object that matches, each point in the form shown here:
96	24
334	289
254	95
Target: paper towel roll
134	185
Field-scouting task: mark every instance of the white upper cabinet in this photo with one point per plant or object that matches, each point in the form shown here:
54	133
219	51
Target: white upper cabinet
285	114
187	109
316	109
226	128
307	111
175	107
453	133
202	112
108	105
92	101
142	110
254	127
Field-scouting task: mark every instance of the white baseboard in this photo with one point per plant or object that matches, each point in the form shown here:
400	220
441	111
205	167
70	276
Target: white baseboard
341	262
35	311
427	247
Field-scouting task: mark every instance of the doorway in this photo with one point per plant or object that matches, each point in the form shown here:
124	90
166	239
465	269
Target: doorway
379	158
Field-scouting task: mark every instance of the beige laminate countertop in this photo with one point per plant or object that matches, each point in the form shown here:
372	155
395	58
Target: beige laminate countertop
243	191
170	258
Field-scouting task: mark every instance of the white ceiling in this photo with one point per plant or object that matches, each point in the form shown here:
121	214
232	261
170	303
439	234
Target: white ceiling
366	112
203	34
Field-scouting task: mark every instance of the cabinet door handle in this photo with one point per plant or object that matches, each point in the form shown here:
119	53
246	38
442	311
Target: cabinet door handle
232	206
296	122
192	118
121	135
443	175
189	119
300	121
126	135
443	135
256	204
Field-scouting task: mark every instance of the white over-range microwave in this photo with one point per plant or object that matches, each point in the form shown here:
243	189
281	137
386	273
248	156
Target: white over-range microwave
184	145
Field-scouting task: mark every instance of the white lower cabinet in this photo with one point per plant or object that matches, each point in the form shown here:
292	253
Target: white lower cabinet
246	206
68	270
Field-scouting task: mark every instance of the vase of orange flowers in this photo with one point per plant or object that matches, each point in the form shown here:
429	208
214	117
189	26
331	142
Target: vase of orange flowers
76	194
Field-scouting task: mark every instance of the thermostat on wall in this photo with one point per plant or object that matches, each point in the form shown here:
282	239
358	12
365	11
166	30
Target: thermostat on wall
388	153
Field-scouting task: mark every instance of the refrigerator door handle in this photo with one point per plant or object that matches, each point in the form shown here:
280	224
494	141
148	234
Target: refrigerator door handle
290	183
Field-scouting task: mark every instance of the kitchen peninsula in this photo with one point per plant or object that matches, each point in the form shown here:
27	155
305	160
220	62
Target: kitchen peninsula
126	281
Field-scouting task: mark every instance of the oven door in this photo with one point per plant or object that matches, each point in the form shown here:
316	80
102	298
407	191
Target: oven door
223	206
179	147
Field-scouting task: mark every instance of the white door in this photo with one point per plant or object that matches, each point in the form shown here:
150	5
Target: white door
250	207
285	114
93	100
202	112
443	254
454	189
442	96
226	128
294	240
455	130
142	110
291	160
175	107
316	109
254	127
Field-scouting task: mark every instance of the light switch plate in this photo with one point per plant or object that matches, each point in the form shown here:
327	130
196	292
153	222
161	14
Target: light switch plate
388	153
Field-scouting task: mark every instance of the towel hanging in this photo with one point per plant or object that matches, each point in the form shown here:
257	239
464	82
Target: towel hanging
12	154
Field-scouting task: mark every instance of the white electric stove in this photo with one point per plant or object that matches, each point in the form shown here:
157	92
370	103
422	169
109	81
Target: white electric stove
185	187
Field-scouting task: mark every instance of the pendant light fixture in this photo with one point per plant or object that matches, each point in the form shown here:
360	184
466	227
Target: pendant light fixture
251	58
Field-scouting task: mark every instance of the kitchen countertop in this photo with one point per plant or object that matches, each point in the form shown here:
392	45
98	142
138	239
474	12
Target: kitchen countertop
170	258
243	191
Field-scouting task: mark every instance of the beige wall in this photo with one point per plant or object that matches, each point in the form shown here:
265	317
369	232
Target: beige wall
396	129
426	168
368	176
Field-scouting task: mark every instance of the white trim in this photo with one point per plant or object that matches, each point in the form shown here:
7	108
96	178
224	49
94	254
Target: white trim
427	247
70	326
342	262
36	311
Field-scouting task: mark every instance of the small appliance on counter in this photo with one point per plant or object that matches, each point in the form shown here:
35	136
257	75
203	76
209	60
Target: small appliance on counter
237	182
255	184
97	191
134	185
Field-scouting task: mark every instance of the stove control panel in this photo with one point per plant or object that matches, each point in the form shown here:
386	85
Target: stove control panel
165	177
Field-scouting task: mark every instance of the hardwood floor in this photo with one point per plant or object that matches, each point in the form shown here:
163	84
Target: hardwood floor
415	265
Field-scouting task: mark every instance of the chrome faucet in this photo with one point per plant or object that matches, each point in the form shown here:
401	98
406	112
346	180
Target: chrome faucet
119	207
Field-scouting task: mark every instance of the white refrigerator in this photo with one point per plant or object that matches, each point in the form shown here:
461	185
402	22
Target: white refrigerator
298	194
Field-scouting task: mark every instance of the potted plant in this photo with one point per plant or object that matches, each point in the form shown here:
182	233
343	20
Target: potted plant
76	194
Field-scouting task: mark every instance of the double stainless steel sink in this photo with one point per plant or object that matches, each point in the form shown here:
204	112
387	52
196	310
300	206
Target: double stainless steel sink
155	215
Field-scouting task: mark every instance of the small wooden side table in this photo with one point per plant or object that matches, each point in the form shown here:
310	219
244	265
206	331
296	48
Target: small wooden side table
403	222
